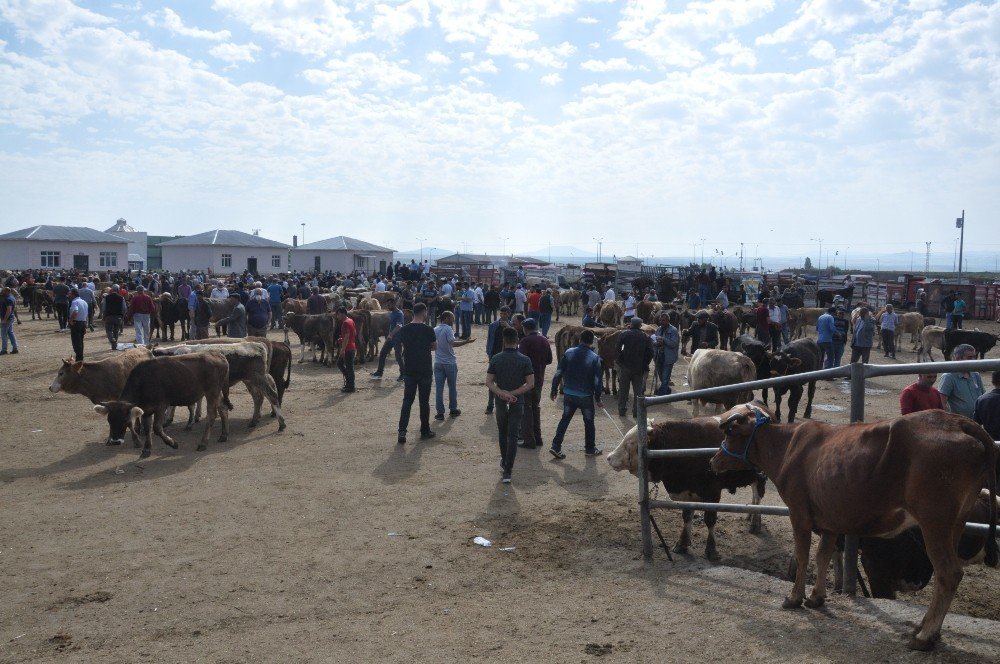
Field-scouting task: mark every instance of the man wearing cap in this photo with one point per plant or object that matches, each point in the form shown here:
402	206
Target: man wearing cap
509	377
77	322
220	292
236	322
703	333
142	308
635	350
841	330
258	312
864	335
114	315
888	324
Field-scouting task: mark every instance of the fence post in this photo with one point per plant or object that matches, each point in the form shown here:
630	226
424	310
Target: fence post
642	445
851	541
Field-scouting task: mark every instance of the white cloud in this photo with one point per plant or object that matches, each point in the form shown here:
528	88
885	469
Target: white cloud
484	67
391	22
360	69
438	58
522	66
817	17
309	27
551	79
614	64
235	53
823	50
594	45
736	54
45	21
587	20
170	20
468	56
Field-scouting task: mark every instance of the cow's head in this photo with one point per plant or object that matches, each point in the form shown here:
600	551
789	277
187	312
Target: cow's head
120	415
67	376
625	456
782	363
739	424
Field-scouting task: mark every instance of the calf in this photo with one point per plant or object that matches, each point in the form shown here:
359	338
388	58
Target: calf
983	342
688	478
162	382
901	563
800	356
248	364
931	337
172	311
314	329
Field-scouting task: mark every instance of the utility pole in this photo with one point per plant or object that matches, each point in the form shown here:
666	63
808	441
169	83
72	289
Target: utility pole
600	243
741	256
960	223
927	259
703	252
303	232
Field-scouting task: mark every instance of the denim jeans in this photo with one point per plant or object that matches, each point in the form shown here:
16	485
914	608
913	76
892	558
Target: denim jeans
445	373
570	405
545	322
389	346
665	372
7	332
828	356
411	385
466	326
508	425
478	313
838	352
276	316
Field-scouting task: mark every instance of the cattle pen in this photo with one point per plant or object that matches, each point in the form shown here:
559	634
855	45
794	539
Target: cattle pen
856	373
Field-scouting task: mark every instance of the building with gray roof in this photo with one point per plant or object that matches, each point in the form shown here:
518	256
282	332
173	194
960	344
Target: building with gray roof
341	254
138	246
224	252
63	248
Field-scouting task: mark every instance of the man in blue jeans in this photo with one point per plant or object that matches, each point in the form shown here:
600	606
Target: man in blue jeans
446	366
825	330
274	299
418	341
466	308
580	373
667	342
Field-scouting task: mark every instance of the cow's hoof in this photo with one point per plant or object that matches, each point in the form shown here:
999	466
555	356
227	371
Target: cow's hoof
790	603
144	454
274	414
282	426
113	442
815	603
754	524
679	548
713	555
223	439
301	361
202	447
920	644
252	425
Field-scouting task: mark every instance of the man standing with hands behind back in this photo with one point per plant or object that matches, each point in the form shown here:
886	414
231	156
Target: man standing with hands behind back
509	376
418	371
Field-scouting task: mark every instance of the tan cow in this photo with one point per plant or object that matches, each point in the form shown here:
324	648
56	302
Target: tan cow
799	319
712	368
931	337
610	314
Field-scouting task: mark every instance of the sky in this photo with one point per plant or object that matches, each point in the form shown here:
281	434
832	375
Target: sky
492	125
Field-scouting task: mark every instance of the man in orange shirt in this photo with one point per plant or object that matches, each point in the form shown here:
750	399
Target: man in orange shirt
348	348
534	300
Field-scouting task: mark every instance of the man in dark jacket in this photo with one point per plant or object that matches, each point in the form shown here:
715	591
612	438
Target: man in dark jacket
635	350
236	322
114	315
580	373
258	313
494	344
703	333
536	348
864	334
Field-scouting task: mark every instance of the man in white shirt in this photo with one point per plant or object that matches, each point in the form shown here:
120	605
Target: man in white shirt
478	306
219	291
520	298
629	308
610	295
380	286
722	299
447	289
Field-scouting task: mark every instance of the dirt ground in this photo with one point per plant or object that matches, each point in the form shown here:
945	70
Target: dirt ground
330	542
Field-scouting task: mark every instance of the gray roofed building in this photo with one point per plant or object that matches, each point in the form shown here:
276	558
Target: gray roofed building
121	226
342	242
46	233
223	238
487	260
341	254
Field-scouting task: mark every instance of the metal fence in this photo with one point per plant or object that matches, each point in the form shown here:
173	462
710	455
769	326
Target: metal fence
857	373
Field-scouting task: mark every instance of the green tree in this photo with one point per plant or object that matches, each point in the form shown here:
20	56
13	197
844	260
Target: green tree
808	264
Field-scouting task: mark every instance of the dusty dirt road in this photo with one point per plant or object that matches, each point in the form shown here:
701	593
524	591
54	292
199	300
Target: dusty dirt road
330	542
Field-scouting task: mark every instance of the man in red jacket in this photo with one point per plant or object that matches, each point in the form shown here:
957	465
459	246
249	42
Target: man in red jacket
921	395
142	309
348	347
538	350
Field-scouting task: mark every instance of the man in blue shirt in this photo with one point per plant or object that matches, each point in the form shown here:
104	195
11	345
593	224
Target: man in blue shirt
825	330
580	373
429	296
274	299
466	307
391	342
962	390
8	303
987	412
667	341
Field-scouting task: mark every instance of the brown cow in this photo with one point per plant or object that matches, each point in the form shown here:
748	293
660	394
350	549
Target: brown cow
872	480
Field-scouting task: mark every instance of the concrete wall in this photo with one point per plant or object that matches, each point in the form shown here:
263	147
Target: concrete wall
26	254
203	258
338	260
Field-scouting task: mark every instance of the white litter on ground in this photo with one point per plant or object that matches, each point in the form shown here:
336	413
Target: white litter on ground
481	541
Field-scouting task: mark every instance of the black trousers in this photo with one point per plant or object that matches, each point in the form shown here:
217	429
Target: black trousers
531	422
411	385
389	346
62	313
889	342
346	365
627	379
508	424
77	329
860	353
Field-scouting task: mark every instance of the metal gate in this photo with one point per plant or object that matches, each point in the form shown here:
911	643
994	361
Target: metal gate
857	373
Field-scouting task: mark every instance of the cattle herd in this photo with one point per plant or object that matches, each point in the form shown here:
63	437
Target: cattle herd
882	481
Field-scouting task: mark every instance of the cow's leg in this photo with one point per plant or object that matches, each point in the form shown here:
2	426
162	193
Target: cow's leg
777	404
224	416
684	541
302	352
271	392
827	543
942	550
803	538
811	392
695	407
258	401
754	519
158	429
147	432
710	551
194	414
212	408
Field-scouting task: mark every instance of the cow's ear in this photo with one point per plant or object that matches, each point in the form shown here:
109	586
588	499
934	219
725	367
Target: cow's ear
67	362
101	409
78	366
135	413
794	362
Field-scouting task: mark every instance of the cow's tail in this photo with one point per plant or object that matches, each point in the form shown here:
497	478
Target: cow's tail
288	372
992	555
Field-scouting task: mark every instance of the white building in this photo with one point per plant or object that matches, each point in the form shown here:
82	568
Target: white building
63	248
224	252
341	254
137	247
